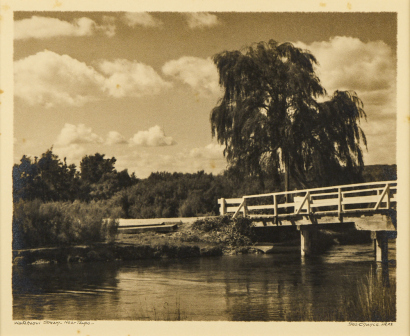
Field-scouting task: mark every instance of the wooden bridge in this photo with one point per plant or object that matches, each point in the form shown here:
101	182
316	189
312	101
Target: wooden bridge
364	206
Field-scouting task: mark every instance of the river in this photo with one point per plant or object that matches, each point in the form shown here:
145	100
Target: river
257	287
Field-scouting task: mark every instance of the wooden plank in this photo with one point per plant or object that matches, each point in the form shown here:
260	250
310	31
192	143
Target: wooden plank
366	187
232	208
330	201
360	200
156	228
381	197
362	191
239	209
324	194
275	202
299	207
261	207
233	200
323	204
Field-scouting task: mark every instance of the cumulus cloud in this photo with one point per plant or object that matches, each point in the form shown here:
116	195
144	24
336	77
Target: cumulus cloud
154	137
200	74
201	20
125	78
349	63
115	138
211	151
73	152
72	141
45	27
144	19
108	26
50	79
80	134
208	158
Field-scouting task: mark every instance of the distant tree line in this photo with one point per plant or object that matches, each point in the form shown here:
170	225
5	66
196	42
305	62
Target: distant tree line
50	179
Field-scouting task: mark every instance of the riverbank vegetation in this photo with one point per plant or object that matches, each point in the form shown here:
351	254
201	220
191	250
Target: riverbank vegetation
202	238
38	224
58	204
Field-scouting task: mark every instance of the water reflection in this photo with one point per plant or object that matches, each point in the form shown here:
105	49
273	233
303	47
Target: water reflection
273	287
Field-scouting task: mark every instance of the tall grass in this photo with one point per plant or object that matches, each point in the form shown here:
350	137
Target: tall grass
38	224
374	301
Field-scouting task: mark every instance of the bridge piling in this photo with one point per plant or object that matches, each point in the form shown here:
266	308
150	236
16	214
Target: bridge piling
381	246
305	242
308	236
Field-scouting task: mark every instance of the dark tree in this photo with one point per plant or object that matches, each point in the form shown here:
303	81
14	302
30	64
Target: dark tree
47	179
93	167
273	118
99	178
24	175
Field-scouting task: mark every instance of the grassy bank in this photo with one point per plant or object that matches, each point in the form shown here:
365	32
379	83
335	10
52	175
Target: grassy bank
207	237
213	236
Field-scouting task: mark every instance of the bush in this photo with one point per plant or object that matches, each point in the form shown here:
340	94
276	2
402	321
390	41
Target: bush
232	232
211	224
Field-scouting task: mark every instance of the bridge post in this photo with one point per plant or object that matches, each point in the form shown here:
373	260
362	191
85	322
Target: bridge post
381	246
244	208
304	242
222	210
307	238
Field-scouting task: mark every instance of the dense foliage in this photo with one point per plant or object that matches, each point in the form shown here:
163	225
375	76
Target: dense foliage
50	179
272	118
38	224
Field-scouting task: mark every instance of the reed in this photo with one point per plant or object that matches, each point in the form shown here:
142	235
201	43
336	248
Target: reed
374	301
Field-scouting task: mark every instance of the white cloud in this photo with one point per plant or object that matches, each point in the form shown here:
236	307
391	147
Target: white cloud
131	78
346	63
154	137
80	134
108	26
114	138
208	158
73	152
46	27
48	78
201	20
200	74
133	19
72	141
210	152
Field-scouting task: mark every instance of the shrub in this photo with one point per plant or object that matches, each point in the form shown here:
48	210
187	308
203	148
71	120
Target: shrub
232	232
211	224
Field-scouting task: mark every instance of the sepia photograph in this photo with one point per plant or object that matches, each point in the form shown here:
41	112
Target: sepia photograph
205	166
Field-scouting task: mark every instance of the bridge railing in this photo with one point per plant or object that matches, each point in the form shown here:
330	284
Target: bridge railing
335	200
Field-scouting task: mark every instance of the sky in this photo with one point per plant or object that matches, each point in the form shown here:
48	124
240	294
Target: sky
140	86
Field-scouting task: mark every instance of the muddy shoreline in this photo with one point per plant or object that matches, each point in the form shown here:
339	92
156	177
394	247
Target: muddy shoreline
110	252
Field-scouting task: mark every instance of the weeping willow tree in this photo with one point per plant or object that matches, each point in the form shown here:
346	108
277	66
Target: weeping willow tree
275	117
